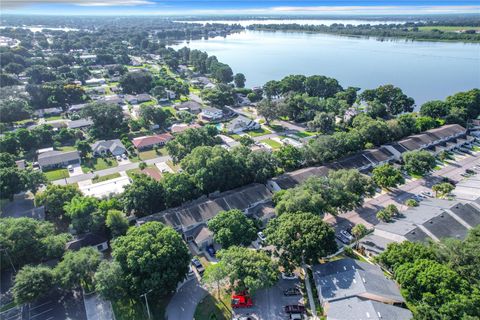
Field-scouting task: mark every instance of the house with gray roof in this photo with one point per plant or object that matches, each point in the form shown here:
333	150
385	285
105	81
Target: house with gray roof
356	285
58	159
241	124
189	106
200	211
80	124
291	179
355	308
102	147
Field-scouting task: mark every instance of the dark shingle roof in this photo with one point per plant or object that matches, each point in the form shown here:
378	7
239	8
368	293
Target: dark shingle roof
88	240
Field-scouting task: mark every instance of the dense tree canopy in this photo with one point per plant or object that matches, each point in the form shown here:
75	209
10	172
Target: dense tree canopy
143	196
32	282
387	176
136	82
232	228
108	120
301	238
152	257
185	142
77	268
418	162
54	198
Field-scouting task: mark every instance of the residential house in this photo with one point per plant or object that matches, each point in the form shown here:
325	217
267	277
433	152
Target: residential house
77	107
88	57
48	112
211	113
80	124
58	159
149	142
114	99
88	240
200	236
263	212
360	286
198	212
189	106
291	179
242	123
180	127
433	219
170	95
114	147
95	81
139	98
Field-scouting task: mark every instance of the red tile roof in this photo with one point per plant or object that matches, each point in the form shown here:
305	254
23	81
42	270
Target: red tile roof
146	141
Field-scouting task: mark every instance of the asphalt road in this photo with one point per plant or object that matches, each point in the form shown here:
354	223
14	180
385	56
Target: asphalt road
120	168
184	302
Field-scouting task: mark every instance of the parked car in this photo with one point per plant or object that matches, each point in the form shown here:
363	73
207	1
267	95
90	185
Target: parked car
346	234
198	265
342	239
124	156
190	272
211	250
241	300
289	276
296	316
118	158
292	292
261	236
295	308
70	168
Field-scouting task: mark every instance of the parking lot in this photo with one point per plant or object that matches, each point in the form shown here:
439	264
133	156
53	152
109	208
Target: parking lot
70	306
269	303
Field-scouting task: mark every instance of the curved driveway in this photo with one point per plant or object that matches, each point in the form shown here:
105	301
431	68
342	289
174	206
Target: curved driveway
183	304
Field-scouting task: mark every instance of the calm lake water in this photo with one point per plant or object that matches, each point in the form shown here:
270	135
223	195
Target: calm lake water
424	70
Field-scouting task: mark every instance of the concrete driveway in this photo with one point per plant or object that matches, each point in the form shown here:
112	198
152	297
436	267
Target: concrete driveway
184	302
269	303
77	171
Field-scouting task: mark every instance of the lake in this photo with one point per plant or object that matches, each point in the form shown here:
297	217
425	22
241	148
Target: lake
424	70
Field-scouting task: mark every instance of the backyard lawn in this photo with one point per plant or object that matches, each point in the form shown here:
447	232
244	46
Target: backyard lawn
213	308
150	154
66	148
56	174
304	134
96	164
272	143
259	132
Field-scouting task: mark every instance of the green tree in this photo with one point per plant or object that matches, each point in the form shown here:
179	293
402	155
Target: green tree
54	198
442	189
300	238
247	269
116	222
392	97
179	188
401	253
26	240
232	228
110	281
434	109
215	274
418	162
269	110
358	231
136	82
239	80
77	268
323	122
143	196
108	120
152	257
289	157
387	176
83	148
14	110
81	212
32	282
185	142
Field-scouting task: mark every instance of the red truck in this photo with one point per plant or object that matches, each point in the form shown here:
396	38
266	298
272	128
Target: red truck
241	300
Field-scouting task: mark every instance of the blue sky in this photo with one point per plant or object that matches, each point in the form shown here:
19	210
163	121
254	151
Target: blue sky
208	7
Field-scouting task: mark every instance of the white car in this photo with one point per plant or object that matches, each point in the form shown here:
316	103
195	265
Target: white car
70	168
124	156
261	236
346	234
119	158
289	276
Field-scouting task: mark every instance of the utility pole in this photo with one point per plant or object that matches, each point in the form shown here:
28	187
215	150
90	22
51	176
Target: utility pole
146	302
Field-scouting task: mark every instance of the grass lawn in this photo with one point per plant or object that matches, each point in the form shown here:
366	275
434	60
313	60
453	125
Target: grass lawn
304	134
448	28
148	103
437	167
66	148
136	309
213	308
96	164
259	132
150	154
276	128
98	179
272	143
475	148
53	118
416	176
56	174
171	109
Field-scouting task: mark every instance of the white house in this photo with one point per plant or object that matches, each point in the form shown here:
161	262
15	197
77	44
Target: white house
241	124
211	113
